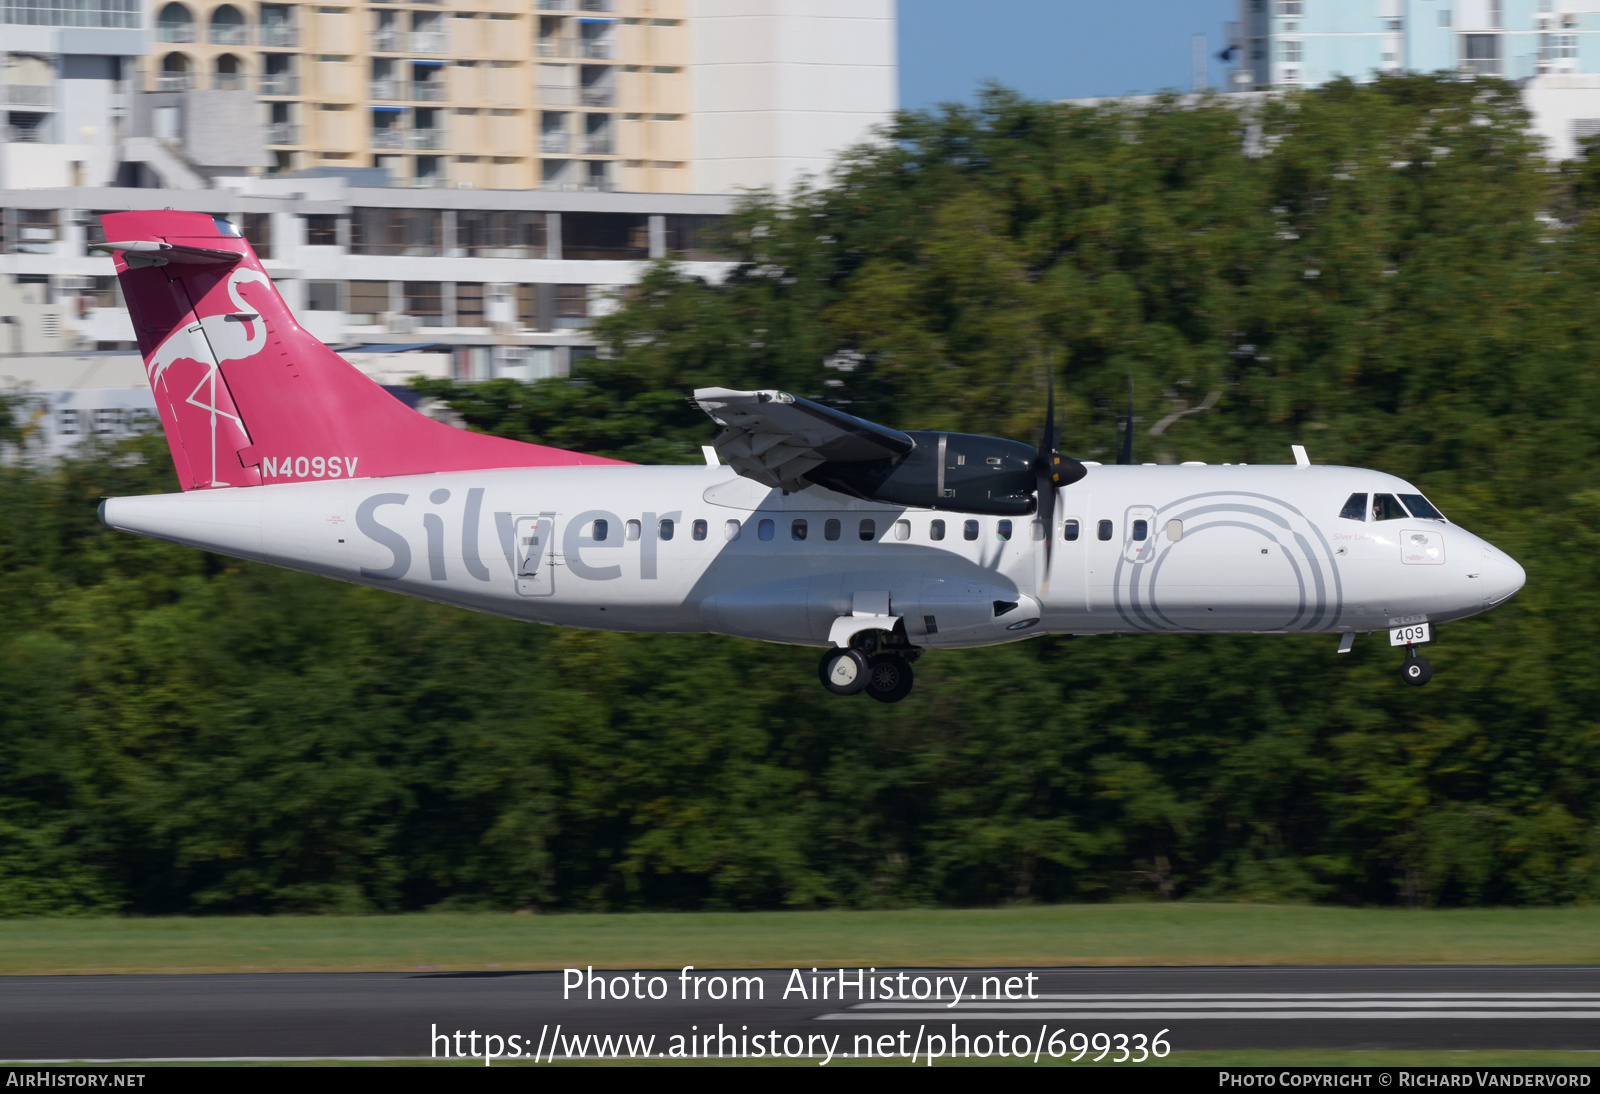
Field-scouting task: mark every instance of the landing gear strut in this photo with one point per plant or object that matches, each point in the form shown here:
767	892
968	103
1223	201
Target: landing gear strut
876	662
1415	669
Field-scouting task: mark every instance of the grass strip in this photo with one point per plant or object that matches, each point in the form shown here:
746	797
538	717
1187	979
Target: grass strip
1031	936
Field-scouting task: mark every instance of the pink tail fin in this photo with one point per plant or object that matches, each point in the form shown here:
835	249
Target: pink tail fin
248	397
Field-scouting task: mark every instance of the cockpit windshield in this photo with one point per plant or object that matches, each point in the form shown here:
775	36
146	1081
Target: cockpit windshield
1387	507
1355	508
1421	507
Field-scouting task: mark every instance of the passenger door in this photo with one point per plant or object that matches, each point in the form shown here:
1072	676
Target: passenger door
535	551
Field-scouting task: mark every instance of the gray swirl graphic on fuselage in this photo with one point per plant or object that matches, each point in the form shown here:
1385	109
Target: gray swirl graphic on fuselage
1136	585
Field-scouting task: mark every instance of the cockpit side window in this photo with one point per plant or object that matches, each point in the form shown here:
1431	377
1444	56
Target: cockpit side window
1355	508
1421	507
1386	507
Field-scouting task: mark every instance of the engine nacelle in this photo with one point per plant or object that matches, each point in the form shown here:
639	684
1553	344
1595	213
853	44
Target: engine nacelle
957	471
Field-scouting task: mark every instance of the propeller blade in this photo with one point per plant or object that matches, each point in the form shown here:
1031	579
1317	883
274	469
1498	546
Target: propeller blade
1126	455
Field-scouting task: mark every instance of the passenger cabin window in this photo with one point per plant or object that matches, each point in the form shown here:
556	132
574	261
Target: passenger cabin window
797	529
969	530
936	530
632	530
1069	531
830	529
1387	507
764	529
1420	507
1104	529
1141	531
699	529
1355	508
601	530
1003	529
902	529
730	530
1174	530
869	530
665	529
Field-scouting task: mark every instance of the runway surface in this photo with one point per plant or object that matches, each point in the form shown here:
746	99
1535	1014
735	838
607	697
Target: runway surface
345	1015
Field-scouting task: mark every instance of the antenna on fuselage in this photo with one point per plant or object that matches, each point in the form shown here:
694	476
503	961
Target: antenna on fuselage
1126	455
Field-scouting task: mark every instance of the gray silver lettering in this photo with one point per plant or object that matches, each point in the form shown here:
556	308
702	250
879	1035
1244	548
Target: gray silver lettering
383	536
433	525
508	539
573	542
469	535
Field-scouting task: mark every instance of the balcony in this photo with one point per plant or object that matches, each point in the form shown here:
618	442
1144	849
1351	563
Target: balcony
597	96
230	35
555	5
429	41
595	49
597	5
554	144
388	90
282	133
432	139
557	47
280	83
174	32
228	81
597	144
280	36
388	138
25	94
174	81
557	95
387	40
427	91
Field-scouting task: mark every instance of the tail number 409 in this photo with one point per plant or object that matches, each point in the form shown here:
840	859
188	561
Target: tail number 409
308	467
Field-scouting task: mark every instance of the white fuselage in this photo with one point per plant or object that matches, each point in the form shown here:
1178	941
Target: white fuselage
1226	549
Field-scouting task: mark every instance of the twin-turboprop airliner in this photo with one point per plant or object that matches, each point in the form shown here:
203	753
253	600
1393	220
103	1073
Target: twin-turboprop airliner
805	526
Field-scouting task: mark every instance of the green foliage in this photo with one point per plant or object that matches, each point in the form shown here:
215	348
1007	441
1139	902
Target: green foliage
1388	273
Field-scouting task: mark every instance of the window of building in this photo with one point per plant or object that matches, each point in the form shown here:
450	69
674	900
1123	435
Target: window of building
605	235
765	529
469	304
258	230
1104	530
936	530
394	231
1480	53
699	529
72	13
868	530
697	238
322	230
324	295
830	529
36	231
572	305
1289	50
1444	17
969	530
67	423
1289	9
486	233
368	302
1069	531
425	302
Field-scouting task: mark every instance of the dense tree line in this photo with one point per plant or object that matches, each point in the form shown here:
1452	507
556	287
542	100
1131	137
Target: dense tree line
1390	274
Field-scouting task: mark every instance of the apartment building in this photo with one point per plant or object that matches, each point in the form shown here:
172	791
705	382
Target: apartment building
650	96
1551	48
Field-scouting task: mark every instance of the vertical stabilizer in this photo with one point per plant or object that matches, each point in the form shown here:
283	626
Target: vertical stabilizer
246	396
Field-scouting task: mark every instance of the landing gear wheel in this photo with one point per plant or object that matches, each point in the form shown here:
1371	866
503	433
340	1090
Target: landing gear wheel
1416	671
844	672
890	679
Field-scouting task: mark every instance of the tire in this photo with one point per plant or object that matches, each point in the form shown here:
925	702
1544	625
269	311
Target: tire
1416	671
890	679
844	672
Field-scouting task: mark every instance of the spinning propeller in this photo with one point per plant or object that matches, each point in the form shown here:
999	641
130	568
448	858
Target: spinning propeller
1050	473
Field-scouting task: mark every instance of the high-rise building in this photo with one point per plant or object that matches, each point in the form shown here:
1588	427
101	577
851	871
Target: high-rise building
670	96
1551	48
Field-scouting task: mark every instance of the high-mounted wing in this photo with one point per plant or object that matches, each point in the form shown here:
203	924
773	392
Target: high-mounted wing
775	438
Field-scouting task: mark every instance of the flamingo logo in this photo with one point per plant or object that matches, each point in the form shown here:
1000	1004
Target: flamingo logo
213	340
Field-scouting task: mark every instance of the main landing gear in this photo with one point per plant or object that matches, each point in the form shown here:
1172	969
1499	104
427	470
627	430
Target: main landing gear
873	664
1415	669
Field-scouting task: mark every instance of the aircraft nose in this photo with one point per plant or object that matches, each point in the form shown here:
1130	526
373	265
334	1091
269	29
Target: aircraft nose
1502	576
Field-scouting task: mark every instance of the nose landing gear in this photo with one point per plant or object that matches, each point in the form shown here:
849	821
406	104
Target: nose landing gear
1415	669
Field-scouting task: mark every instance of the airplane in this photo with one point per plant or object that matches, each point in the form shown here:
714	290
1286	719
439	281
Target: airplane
806	525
